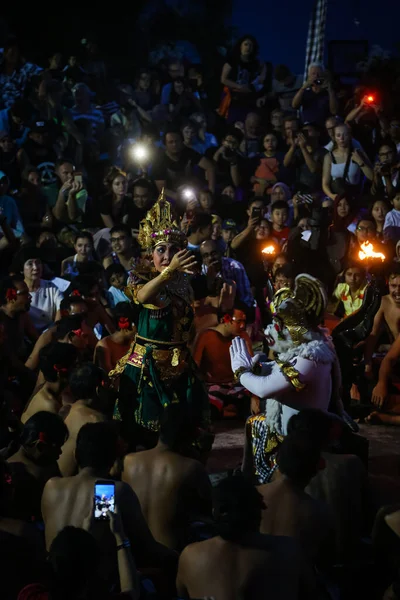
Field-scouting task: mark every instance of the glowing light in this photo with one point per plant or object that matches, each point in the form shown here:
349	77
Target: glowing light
367	251
188	194
268	250
370	98
140	152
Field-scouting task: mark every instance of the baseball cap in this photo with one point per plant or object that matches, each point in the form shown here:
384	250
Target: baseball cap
229	224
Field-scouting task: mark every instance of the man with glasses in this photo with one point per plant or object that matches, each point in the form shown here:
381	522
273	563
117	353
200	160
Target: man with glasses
366	232
122	251
386	170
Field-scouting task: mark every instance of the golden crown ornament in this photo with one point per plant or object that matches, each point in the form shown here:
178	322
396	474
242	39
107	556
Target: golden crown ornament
160	226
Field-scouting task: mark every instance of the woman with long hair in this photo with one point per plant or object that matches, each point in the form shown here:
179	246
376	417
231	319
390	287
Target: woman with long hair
113	205
339	235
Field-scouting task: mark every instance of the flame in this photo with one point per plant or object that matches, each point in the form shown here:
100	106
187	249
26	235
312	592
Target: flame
268	250
367	251
370	98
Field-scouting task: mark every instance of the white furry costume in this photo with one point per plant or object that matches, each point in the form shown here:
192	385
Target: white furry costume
305	373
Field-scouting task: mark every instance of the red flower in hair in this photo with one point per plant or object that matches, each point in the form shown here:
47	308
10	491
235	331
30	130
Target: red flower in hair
123	323
64	313
11	294
75	293
227	319
60	369
77	332
7	478
42	437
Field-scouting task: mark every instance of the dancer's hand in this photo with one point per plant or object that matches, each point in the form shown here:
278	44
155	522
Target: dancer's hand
183	261
379	394
240	356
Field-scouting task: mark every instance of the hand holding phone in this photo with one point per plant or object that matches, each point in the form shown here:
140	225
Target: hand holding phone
104	500
78	178
256	212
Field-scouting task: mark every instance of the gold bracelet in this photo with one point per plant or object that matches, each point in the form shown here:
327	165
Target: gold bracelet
167	273
239	372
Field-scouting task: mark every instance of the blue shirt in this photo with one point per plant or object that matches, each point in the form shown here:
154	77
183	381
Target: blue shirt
233	269
8	209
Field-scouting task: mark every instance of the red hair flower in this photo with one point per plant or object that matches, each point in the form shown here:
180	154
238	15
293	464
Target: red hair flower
60	369
75	293
11	294
42	437
123	323
77	332
227	319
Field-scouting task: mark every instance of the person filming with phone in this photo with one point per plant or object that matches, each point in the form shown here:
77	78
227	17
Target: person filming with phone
316	97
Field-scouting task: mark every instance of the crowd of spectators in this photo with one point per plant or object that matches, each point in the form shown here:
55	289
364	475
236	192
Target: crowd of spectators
284	177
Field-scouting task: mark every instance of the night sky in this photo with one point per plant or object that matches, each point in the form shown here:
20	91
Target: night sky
281	26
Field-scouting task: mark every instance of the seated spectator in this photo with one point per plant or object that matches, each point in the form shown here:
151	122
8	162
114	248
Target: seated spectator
9	211
252	132
84	114
173	488
366	232
378	211
285	85
227	159
143	93
206	201
391	227
316	96
123	252
14	120
75	546
386	171
290	511
144	194
176	165
9	159
217	266
284	277
200	230
279	217
306	157
117	279
339	233
291	126
83	247
349	295
266	173
114	205
280	191
55	362
229	231
32	203
85	406
45	296
182	101
35	462
343	167
243	76
113	347
69	500
203	140
15	73
209	568
175	70
330	125
58	193
276	120
39	151
394	131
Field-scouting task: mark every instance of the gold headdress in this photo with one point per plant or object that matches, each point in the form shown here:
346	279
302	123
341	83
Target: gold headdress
301	309
160	226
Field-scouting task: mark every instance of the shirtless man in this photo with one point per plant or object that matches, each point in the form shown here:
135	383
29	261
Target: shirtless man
35	462
240	562
83	385
55	362
173	489
290	511
112	348
388	314
387	412
69	501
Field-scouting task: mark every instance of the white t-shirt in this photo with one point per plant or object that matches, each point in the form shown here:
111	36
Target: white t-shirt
45	303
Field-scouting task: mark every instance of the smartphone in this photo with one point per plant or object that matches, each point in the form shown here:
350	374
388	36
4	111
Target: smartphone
78	177
319	81
256	212
104	499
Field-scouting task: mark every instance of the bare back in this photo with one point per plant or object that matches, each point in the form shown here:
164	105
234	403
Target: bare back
263	567
171	489
295	514
80	414
391	315
42	400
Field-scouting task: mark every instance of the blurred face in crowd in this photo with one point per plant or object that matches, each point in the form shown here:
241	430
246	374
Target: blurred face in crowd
262	230
386	155
229	191
277	119
278	263
238	322
304	224
281	281
34	178
279	216
270	143
65	172
120	242
141	196
342	136
343	208
216	229
173	143
82	97
246	47
4	185
311	133
330	125
189	134
118	280
379	211
33	269
210	253
228	235
252	125
24	299
179	87
176	70
6	144
396	202
83	247
120	186
354	277
291	128
365	231
231	142
144	82
163	254
200	120
255	204
206	201
48	239
315	73
278	194
394	288
394	129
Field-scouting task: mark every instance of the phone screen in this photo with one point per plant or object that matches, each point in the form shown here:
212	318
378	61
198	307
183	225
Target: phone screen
256	212
78	178
104	499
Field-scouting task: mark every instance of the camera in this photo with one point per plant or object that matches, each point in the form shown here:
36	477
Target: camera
319	81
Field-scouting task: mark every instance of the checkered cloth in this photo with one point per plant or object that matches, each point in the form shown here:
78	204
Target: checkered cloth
316	35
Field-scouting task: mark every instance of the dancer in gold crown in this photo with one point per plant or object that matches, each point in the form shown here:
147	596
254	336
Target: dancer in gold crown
158	369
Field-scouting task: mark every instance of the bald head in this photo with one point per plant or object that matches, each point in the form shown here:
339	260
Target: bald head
209	252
